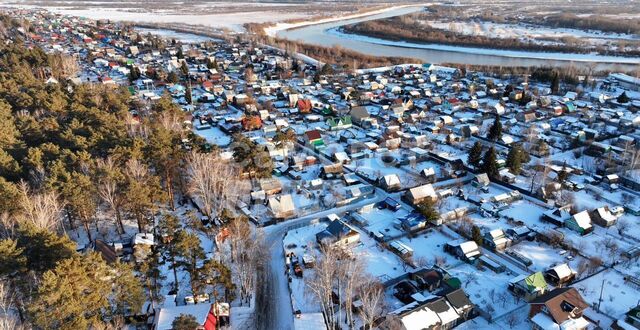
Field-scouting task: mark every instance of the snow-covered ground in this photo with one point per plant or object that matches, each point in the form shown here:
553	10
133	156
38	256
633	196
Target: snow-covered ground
206	16
274	29
214	135
180	36
617	296
522	31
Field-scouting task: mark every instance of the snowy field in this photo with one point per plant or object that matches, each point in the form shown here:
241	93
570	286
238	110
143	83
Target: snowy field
487	289
428	249
206	16
522	31
214	135
618	296
544	256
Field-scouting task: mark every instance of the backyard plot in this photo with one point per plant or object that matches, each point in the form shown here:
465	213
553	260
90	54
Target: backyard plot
486	288
428	249
618	296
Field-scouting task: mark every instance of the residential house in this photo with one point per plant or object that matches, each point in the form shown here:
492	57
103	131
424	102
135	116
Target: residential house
580	223
467	251
481	181
427	279
420	194
338	123
561	308
413	221
390	182
631	320
282	206
338	233
271	186
529	287
556	216
603	217
313	139
435	313
333	171
526	116
560	275
496	240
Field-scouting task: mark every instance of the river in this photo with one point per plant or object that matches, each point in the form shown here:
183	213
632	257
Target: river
328	34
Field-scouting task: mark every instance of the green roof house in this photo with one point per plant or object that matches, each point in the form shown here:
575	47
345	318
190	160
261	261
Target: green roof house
338	123
529	287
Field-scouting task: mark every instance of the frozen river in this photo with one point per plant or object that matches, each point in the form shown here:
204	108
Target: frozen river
328	34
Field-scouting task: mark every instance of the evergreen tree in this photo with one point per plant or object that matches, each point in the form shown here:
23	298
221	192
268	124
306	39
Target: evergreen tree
490	162
188	96
185	322
172	77
192	256
476	235
555	83
212	64
128	295
514	159
254	161
134	73
475	155
623	98
185	69
169	228
41	248
8	195
74	295
428	210
495	131
327	69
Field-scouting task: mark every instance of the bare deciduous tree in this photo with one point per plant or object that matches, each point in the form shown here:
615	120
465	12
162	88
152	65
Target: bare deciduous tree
41	209
371	294
247	254
109	189
214	182
321	284
8	315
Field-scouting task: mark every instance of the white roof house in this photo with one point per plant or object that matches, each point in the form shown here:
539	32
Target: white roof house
422	192
391	180
422	318
470	249
166	315
583	219
281	205
563	270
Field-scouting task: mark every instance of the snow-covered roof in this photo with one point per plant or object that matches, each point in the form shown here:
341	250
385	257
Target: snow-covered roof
544	322
563	270
575	324
583	219
309	321
143	238
166	315
391	180
422	191
468	246
605	214
420	319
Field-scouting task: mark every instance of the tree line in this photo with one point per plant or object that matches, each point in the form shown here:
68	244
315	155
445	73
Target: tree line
403	28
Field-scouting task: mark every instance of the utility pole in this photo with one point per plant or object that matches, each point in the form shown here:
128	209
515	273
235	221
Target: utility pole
601	291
